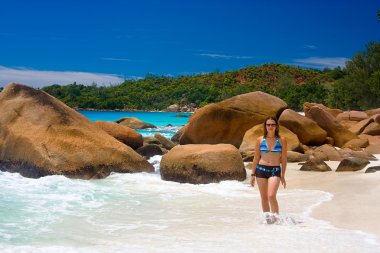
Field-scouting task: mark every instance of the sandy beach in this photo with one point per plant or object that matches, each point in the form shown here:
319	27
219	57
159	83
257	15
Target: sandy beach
355	203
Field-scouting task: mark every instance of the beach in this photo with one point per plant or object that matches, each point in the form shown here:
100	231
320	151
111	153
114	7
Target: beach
142	213
355	202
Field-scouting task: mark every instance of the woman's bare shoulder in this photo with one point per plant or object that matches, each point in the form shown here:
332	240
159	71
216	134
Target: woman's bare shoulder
259	139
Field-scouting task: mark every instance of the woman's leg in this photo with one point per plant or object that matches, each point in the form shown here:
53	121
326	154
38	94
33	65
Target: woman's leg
263	188
273	183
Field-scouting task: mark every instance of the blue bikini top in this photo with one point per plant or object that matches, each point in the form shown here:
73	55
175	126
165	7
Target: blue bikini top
276	149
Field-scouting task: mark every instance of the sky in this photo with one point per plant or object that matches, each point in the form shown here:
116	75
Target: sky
45	42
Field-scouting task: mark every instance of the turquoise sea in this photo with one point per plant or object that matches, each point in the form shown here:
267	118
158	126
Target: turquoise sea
142	213
168	123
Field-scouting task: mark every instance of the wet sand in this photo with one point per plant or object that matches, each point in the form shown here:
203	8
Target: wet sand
356	201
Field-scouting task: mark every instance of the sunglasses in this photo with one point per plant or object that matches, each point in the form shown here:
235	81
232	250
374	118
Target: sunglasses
271	125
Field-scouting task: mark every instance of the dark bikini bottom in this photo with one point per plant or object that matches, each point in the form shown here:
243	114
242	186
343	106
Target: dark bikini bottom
266	171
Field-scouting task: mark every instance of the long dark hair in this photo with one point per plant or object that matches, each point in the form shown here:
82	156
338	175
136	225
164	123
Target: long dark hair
276	132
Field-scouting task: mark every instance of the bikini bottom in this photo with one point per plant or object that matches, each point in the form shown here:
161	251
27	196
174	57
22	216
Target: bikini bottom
266	171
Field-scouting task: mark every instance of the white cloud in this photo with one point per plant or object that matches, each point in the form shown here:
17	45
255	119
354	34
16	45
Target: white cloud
40	78
186	73
115	59
320	62
310	46
223	56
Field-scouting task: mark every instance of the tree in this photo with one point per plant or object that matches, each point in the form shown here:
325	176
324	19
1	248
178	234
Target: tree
359	88
158	92
336	73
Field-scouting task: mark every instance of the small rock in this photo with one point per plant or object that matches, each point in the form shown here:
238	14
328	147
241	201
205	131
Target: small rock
134	123
352	164
166	143
149	150
151	140
372	169
315	165
296	157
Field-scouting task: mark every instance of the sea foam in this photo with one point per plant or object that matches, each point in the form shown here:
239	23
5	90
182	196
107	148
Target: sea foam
142	213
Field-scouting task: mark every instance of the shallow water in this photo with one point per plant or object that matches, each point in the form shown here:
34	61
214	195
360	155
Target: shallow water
168	123
142	213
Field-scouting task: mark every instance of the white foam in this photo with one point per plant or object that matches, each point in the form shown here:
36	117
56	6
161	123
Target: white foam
167	131
269	218
142	213
155	161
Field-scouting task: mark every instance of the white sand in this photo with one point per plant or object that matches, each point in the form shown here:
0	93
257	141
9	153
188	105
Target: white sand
356	201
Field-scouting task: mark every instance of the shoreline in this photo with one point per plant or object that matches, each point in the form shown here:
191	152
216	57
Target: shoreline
115	110
125	110
354	204
184	114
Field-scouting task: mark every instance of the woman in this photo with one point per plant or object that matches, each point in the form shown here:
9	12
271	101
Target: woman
269	165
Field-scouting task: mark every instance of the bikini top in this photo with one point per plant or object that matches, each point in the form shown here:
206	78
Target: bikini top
276	149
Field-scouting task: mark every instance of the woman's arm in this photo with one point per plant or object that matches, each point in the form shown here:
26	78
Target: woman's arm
284	160
256	160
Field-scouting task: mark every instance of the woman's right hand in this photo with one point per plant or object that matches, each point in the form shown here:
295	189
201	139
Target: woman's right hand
253	181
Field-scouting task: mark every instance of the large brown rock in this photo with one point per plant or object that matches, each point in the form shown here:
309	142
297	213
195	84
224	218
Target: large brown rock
126	135
175	138
335	130
248	143
372	149
373	140
318	155
307	106
376	118
173	108
249	140
373	112
331	152
347	123
227	121
202	163
348	153
134	123
372	129
352	115
307	131
361	125
356	144
293	157
39	136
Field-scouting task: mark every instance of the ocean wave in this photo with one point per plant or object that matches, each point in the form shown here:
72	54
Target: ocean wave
139	212
167	131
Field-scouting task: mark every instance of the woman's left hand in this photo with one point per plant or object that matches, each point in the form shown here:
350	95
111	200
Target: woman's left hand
252	180
283	181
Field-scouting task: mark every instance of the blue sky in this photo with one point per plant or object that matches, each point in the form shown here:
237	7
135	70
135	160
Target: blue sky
44	42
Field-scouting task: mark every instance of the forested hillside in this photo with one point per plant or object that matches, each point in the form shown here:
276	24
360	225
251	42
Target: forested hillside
357	86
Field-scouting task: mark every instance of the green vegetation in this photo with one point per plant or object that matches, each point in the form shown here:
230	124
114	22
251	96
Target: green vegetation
357	86
158	92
